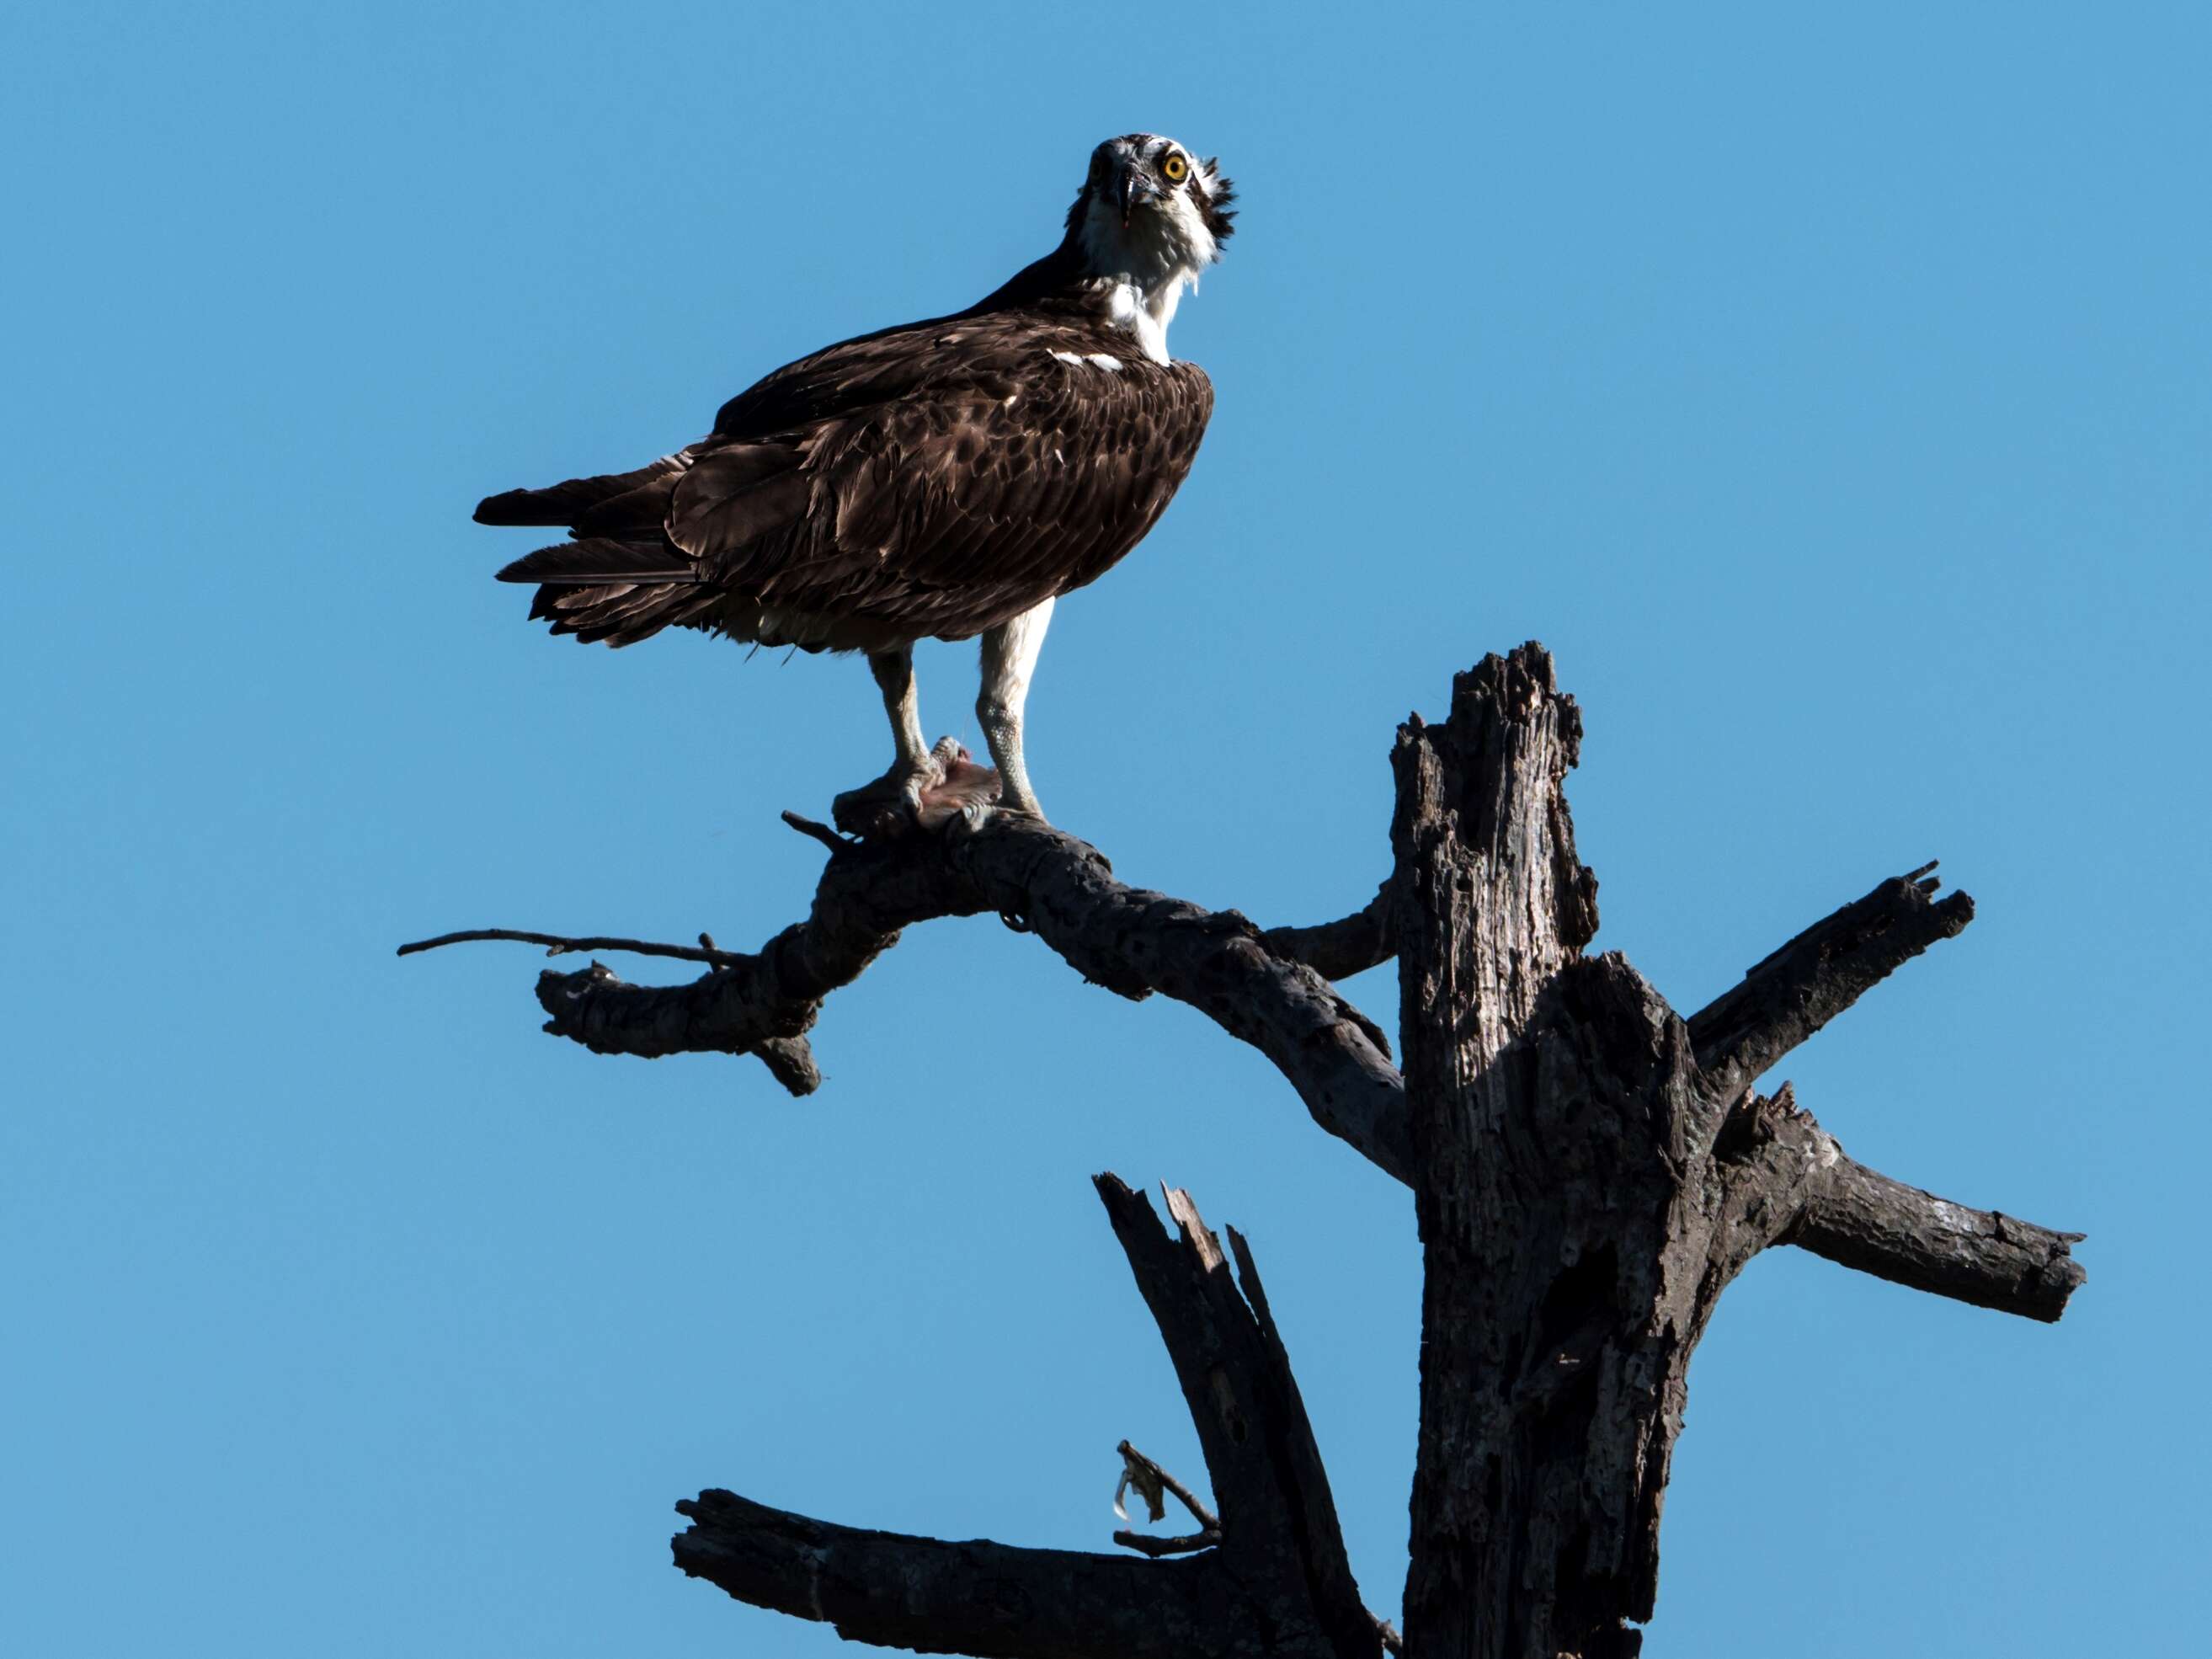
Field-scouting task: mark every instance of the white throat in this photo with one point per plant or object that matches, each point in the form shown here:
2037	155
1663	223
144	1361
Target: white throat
1141	268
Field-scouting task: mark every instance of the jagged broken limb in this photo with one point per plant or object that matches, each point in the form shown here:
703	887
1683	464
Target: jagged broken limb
1274	1580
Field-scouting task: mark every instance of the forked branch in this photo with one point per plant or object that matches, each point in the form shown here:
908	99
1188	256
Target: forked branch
1130	941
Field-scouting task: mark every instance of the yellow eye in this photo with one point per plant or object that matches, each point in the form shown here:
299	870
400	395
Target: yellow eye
1176	168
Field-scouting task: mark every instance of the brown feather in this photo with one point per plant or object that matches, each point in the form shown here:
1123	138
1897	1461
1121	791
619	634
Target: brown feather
937	478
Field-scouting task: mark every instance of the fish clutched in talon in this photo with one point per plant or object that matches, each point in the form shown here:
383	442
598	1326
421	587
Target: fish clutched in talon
947	785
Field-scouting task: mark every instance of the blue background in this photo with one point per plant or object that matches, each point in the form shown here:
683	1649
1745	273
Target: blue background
1833	396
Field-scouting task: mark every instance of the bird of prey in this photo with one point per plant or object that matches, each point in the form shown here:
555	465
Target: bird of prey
940	479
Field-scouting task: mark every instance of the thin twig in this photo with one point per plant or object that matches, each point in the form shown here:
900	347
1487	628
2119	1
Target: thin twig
555	946
1206	1518
821	832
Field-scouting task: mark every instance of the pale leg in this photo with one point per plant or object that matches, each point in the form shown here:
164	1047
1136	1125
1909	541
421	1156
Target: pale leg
893	802
894	672
924	787
1010	655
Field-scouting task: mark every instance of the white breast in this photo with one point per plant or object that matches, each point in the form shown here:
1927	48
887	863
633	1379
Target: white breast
1126	310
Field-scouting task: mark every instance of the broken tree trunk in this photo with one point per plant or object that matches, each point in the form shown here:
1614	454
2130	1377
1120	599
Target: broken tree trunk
1587	1176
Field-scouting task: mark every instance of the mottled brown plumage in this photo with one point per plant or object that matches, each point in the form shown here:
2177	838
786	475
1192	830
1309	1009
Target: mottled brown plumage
929	480
940	479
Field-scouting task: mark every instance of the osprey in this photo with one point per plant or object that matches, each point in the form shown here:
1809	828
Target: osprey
940	479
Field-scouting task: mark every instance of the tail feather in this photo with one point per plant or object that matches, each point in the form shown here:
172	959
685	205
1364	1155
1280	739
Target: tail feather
617	592
563	503
619	616
599	560
627	618
639	511
621	579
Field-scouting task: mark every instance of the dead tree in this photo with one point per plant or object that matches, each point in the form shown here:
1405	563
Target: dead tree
1589	1170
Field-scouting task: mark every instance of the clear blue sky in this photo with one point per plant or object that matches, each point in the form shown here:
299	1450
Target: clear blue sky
1834	396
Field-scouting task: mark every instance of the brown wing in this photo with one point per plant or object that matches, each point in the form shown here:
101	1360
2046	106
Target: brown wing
1003	475
932	479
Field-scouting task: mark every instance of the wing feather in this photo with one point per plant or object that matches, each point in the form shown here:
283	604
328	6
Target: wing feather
984	487
933	479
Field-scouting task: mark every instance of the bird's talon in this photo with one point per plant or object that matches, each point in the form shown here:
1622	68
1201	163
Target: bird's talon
889	806
947	785
965	791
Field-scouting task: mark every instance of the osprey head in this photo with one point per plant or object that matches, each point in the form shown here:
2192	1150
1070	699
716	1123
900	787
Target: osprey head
1151	215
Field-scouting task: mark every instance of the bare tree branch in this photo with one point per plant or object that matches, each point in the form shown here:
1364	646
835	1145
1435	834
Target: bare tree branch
1339	949
865	898
993	1601
789	1060
1131	941
1863	1219
1793	992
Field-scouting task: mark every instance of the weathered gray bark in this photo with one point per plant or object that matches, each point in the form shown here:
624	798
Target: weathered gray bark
1590	1171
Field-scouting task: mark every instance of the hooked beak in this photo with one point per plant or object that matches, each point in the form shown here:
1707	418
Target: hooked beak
1131	187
